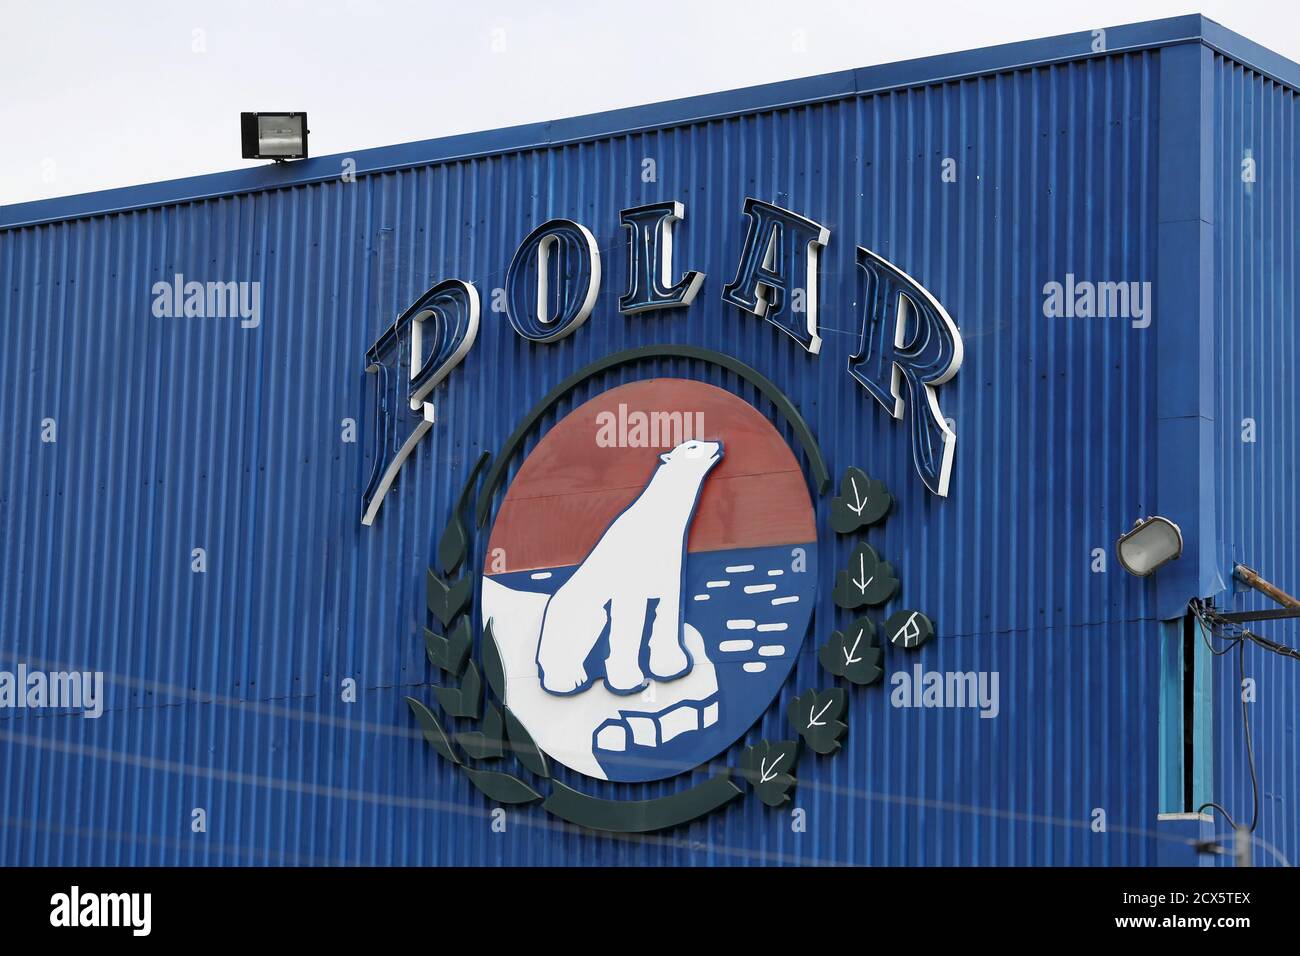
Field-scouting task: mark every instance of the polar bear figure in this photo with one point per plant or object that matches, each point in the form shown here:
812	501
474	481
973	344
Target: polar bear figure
640	559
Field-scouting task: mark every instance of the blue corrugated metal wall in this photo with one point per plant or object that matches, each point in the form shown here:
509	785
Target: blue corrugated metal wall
183	433
1257	206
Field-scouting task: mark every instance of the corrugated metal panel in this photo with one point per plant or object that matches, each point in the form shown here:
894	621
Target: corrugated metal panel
1255	264
183	433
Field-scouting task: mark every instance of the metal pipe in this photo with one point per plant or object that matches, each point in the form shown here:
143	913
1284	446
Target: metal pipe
1252	579
1241	848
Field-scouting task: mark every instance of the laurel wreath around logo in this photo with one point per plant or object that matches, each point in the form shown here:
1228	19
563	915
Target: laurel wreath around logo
817	716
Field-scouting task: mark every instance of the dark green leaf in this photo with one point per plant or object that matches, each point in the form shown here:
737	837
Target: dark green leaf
815	715
432	730
501	787
908	629
868	580
862	501
853	654
486	744
769	768
450	652
521	741
493	670
453	545
462	701
448	600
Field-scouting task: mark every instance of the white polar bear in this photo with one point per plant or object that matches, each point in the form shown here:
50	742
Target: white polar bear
639	559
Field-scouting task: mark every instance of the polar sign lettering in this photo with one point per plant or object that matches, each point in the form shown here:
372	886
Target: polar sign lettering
908	344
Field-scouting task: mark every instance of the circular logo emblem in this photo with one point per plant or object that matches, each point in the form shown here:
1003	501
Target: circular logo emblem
650	578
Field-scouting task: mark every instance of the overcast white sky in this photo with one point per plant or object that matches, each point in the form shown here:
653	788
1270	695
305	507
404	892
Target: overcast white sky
101	94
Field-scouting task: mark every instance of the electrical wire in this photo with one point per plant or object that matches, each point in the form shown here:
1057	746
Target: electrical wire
1213	624
1273	646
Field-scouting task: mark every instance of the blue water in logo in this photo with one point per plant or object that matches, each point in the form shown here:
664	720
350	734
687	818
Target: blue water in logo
752	610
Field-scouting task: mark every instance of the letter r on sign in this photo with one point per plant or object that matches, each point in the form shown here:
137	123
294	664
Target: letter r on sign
909	346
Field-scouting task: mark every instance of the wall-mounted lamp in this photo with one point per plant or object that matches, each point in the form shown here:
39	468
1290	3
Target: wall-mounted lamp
1151	543
277	136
